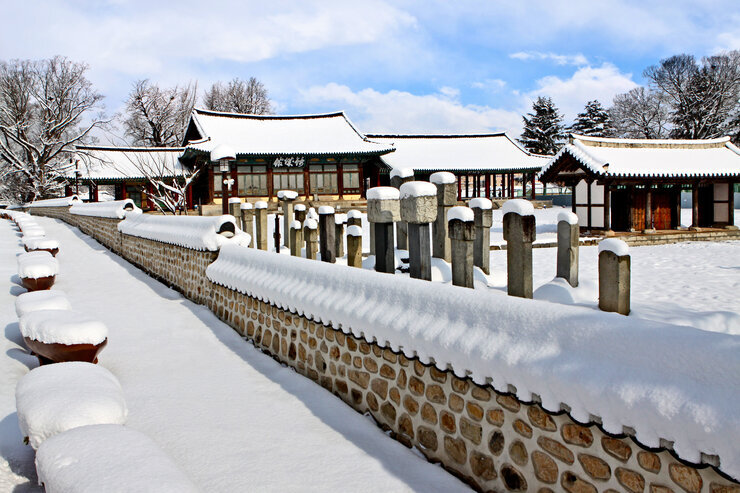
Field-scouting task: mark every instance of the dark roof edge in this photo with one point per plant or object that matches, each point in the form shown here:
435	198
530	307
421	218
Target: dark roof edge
128	149
267	117
433	136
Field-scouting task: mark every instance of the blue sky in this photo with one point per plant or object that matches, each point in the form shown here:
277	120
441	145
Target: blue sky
405	66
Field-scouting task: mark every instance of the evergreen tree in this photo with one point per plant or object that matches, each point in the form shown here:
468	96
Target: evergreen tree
543	128
594	121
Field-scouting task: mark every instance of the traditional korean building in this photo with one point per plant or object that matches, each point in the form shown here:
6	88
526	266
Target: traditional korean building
486	165
635	185
123	172
320	156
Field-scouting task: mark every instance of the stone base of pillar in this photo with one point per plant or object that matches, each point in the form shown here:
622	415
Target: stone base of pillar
420	251
385	260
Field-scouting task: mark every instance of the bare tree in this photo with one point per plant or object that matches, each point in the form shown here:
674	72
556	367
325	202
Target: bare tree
640	114
239	96
158	116
44	111
704	96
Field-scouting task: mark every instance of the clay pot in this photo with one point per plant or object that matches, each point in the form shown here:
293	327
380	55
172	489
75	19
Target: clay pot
39	284
59	353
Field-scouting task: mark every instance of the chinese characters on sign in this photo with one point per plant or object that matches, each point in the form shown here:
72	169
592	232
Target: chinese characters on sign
289	162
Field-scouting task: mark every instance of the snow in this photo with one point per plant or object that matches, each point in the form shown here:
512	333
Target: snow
310	223
118	163
287	194
354	230
568	216
116	209
418	189
402	172
383	193
518	206
340	219
33	232
331	133
60	202
595	363
40	243
41	300
458	152
614	245
354	214
326	209
55	398
222	151
299	207
245	206
63	327
34	265
461	213
481	203
196	232
442	178
260	204
230	416
110	458
235	200
295	225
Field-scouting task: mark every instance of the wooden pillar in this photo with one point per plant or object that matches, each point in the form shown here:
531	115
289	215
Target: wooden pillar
459	188
224	193
211	192
607	207
340	180
695	205
488	185
731	204
235	187
511	185
649	206
124	195
189	197
270	186
306	183
588	204
676	210
524	186
534	186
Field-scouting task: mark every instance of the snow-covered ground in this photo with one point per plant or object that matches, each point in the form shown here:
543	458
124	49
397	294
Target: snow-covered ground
231	417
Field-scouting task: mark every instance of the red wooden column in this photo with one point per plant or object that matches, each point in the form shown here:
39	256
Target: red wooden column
524	186
649	207
306	183
459	188
607	207
488	186
235	187
534	186
189	197
270	186
731	204
124	195
511	185
360	169
695	205
340	180
211	191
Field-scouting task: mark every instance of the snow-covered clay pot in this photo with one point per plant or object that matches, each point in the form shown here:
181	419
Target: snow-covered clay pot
37	270
56	336
41	245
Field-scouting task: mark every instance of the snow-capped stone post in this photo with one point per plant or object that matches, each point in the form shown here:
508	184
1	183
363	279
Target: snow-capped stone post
339	221
418	210
400	176
286	198
461	223
260	211
299	211
247	217
354	218
446	199
235	207
276	233
568	232
482	209
383	209
327	231
519	233
354	246
310	233
296	238
614	276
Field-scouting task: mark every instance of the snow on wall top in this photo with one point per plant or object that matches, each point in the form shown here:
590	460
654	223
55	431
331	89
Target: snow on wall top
458	152
281	135
60	202
107	457
614	245
116	163
663	381
55	398
196	232
656	158
115	209
62	327
418	189
518	206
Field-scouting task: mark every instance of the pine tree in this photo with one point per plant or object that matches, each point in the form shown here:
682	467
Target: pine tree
543	130
594	121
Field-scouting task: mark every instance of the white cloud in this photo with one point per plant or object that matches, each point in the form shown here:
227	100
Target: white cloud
586	84
404	112
489	84
577	59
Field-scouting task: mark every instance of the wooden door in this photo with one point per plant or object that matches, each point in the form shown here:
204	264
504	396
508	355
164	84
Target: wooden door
638	209
662	207
706	206
620	210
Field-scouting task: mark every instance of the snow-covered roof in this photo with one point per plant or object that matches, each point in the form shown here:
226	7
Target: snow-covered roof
118	163
330	133
651	158
476	152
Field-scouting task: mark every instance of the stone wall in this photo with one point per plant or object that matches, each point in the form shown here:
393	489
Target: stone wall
55	212
491	440
103	229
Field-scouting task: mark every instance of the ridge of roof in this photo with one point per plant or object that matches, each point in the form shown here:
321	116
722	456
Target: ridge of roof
127	149
250	116
434	136
648	143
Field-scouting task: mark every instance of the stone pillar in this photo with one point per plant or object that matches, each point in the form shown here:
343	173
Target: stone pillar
383	209
461	221
446	199
482	209
286	198
568	232
354	246
418	210
299	211
614	276
327	231
260	212
247	214
276	233
310	233
354	218
519	233
339	222
296	238
398	178
235	207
